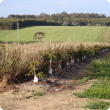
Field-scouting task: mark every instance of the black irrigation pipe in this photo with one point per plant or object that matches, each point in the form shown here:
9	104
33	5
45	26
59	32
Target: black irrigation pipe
74	64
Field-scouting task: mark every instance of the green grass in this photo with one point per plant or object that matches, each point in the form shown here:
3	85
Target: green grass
101	88
100	70
83	80
98	105
53	33
38	93
102	38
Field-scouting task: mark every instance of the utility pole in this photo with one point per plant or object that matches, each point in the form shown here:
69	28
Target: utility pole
18	31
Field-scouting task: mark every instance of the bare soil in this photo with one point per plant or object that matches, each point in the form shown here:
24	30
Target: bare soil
58	90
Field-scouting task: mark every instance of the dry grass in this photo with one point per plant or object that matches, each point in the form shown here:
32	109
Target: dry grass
15	59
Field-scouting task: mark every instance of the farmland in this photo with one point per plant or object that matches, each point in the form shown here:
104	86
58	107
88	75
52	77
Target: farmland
18	63
55	33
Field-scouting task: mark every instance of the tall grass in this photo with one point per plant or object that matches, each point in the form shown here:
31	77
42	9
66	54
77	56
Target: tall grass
15	59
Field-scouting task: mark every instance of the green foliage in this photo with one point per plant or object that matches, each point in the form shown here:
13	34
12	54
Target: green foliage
74	23
61	56
66	24
45	66
97	90
9	24
83	80
41	75
38	93
16	64
98	105
105	108
75	19
101	88
34	65
79	95
101	68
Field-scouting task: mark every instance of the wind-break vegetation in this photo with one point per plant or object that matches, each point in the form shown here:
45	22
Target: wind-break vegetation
62	19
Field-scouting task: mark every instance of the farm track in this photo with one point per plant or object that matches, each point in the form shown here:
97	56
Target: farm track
101	34
58	87
107	36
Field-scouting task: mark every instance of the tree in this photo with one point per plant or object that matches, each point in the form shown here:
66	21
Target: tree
38	36
54	17
74	23
66	24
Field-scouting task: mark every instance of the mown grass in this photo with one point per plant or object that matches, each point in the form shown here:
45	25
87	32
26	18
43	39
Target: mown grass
53	33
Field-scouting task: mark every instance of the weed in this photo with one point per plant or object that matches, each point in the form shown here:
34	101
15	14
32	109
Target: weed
100	68
98	105
80	95
83	80
38	93
100	88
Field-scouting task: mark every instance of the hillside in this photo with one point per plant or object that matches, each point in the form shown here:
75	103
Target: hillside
55	33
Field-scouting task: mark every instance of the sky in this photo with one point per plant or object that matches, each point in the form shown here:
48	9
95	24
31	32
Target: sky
36	7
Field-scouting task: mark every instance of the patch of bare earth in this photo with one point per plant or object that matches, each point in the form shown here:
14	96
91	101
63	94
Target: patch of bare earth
58	90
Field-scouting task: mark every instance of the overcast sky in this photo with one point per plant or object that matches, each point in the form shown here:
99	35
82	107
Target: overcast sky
35	7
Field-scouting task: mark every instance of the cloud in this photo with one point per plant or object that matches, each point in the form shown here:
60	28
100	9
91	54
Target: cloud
1	1
108	1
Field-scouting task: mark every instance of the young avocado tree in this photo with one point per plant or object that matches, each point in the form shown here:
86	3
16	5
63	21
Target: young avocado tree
38	36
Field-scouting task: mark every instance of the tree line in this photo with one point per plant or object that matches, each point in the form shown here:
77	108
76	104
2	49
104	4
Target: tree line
62	19
10	24
59	15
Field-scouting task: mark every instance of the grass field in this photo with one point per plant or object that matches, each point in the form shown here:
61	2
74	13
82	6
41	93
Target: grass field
55	33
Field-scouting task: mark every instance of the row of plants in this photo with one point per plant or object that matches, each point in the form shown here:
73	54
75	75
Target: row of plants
19	62
10	24
60	56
